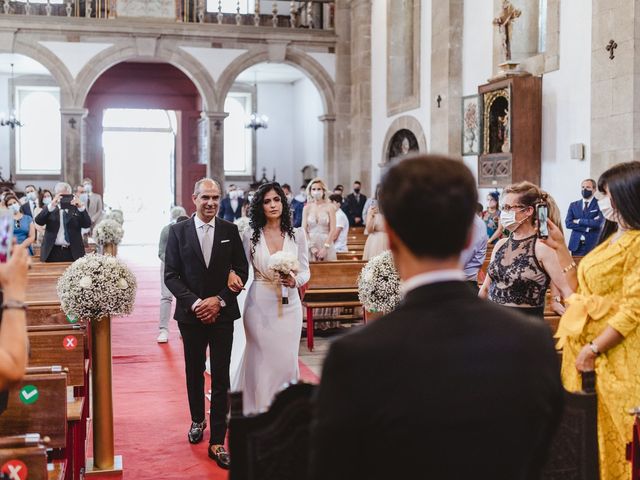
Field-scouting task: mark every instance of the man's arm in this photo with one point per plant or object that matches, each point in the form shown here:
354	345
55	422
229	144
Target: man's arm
592	223
41	218
172	279
239	264
85	219
573	223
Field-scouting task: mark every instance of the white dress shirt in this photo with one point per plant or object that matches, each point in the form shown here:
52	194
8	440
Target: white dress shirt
342	221
200	231
428	278
60	240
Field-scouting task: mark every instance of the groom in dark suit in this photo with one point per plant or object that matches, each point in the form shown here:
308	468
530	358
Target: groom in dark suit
199	256
447	385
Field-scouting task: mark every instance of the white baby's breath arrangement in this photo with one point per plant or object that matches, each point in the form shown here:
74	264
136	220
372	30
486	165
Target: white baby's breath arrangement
285	264
108	231
115	215
243	224
379	284
95	286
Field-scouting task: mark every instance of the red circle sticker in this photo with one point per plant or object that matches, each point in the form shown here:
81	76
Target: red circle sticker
70	342
15	469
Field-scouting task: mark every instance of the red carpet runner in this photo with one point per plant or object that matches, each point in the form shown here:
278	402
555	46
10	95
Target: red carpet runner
150	401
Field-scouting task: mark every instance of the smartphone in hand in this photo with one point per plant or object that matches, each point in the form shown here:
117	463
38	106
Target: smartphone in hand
65	201
542	214
6	235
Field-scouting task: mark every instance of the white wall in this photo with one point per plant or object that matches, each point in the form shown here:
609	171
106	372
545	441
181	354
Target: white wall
4	131
566	93
379	121
295	135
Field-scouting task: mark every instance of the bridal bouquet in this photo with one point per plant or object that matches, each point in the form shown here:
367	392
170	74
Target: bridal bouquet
108	231
379	284
284	264
95	286
243	225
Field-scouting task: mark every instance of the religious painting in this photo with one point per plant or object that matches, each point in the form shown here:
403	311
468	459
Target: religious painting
497	121
403	55
471	119
403	143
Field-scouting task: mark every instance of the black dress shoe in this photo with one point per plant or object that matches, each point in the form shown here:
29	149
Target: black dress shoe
196	431
220	455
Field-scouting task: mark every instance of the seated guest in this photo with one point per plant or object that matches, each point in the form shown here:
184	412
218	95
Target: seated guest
23	228
31	201
63	238
447	385
342	224
13	327
475	254
231	205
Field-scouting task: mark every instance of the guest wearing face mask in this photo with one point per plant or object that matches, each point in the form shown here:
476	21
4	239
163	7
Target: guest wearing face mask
319	221
297	206
599	330
521	267
246	205
23	229
31	201
95	207
231	205
585	220
354	204
45	199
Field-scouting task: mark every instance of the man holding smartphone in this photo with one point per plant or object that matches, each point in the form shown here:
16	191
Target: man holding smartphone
64	219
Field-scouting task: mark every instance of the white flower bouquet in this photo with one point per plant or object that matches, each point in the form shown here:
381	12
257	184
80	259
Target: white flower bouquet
95	286
108	231
243	224
284	264
116	215
379	284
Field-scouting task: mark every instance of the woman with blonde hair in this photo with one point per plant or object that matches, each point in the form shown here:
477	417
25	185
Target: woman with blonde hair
522	268
319	222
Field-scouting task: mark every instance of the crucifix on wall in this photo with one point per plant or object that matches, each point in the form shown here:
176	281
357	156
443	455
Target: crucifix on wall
508	14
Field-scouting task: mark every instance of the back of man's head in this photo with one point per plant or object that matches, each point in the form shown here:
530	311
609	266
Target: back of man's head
429	202
62	187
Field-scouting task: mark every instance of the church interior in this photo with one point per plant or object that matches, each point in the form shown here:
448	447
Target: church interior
132	102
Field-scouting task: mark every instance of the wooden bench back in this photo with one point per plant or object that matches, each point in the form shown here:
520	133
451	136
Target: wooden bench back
41	290
45	268
47	314
47	415
62	345
335	275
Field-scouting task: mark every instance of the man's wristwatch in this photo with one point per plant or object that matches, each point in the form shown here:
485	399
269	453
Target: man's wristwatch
594	348
222	302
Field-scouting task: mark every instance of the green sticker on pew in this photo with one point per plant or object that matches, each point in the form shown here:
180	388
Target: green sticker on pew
29	394
71	319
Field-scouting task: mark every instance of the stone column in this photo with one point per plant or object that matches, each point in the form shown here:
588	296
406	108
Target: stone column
339	171
72	142
213	144
359	165
329	124
615	84
446	76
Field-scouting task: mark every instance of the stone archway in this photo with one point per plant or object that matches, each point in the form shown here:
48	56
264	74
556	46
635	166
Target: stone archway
410	124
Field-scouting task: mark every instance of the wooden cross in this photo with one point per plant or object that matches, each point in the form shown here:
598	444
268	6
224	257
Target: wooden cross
507	16
610	48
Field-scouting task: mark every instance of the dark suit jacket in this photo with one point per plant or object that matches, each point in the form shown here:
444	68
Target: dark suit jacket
227	213
296	209
76	221
353	208
590	223
448	386
26	209
187	276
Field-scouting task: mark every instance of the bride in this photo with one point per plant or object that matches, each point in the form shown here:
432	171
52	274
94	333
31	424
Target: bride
272	329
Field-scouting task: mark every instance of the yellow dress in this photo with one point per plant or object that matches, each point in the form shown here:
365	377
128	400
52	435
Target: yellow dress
609	293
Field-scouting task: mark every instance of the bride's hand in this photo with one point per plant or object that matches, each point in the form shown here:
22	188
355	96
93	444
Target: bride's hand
287	281
234	282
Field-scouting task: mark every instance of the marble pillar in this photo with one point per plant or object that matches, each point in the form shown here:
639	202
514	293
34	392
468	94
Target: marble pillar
213	144
72	142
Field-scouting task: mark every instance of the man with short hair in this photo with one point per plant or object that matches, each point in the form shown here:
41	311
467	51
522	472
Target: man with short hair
585	220
354	204
342	223
200	254
31	201
64	223
231	205
93	202
447	385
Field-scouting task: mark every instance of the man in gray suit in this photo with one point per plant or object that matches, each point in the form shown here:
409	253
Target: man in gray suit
92	200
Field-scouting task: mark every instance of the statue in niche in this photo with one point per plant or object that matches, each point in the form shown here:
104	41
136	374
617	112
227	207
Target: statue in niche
402	143
499	126
504	21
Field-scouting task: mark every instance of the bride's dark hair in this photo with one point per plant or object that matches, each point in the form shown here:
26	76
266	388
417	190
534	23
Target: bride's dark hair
257	218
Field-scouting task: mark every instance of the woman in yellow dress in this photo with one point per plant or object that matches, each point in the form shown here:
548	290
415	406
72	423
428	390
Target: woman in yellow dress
599	330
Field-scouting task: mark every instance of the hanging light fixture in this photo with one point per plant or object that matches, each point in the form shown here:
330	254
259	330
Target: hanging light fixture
256	120
11	120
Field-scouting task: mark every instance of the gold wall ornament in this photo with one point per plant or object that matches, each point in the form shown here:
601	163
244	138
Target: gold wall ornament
496	121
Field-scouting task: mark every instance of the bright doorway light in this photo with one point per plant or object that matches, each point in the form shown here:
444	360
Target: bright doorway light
139	165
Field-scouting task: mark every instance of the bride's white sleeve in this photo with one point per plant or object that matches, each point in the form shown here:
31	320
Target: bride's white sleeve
304	273
246	243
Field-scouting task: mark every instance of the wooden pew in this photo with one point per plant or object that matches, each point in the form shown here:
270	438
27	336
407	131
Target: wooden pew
38	403
44	268
26	456
350	255
332	284
62	345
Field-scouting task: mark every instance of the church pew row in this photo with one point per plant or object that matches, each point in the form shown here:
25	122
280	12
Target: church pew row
25	456
91	248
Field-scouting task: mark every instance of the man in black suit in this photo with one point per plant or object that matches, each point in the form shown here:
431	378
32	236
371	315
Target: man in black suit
231	205
354	204
199	256
447	386
64	222
31	201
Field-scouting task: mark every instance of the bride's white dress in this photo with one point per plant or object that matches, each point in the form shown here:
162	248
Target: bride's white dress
272	330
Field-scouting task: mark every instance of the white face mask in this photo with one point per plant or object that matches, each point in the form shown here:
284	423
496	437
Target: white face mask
46	200
83	197
88	188
509	222
317	194
233	195
607	210
15	207
32	196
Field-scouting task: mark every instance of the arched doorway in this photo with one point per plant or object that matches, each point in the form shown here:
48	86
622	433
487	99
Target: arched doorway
133	105
294	135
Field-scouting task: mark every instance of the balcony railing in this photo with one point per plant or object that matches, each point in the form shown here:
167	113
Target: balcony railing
317	14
